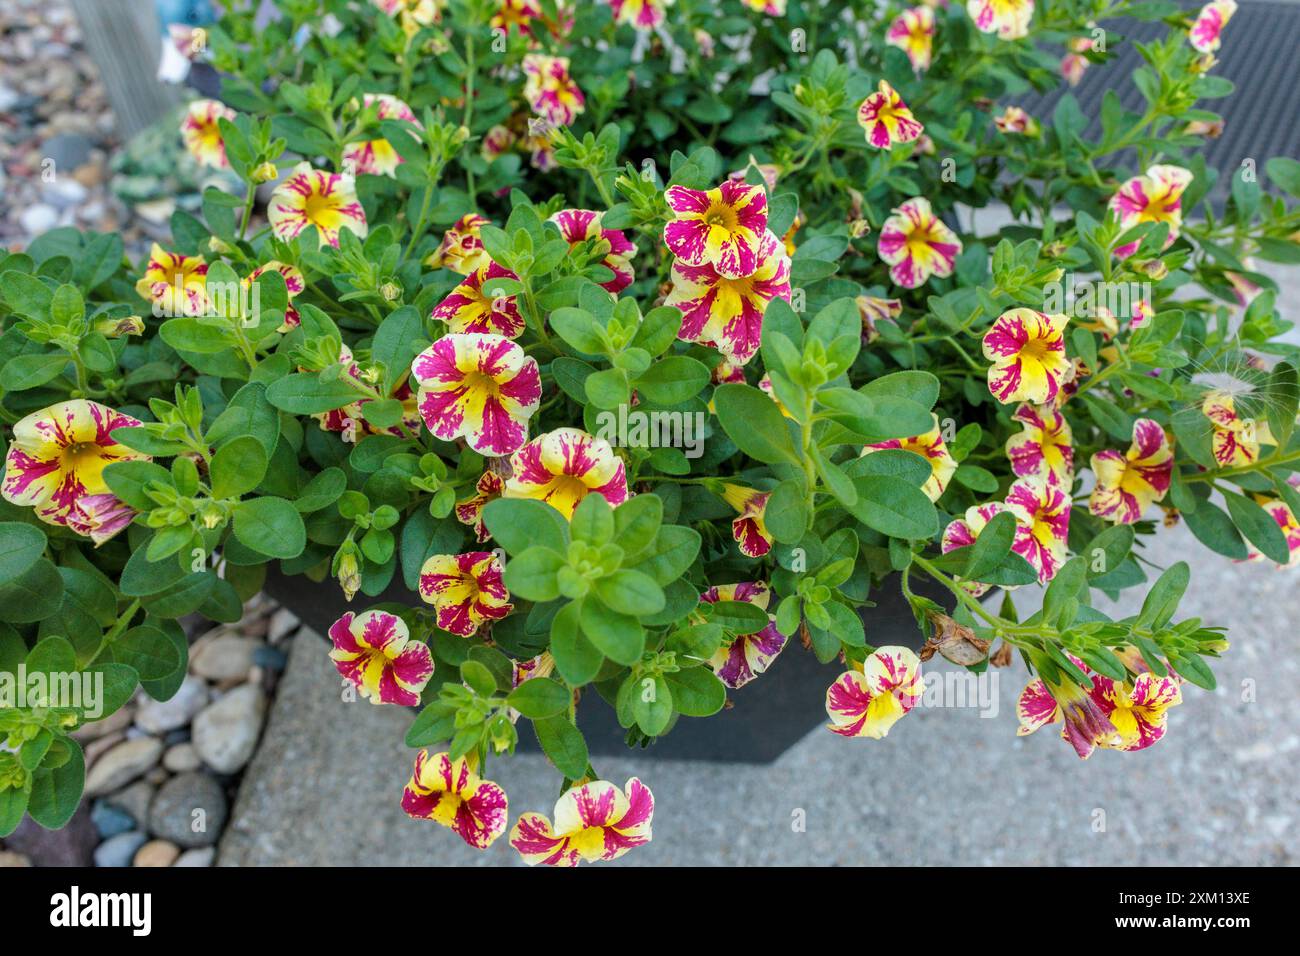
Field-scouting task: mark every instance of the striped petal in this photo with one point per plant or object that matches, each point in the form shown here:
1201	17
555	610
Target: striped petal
869	702
374	651
465	589
467	308
1128	484
1044	448
749	655
723	227
931	447
449	793
202	135
886	118
916	244
313	197
1027	349
563	466
912	31
594	821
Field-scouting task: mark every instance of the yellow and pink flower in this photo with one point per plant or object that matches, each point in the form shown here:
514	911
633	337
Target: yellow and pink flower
1117	715
550	91
1044	448
749	655
581	225
466	590
931	447
1235	440
1157	197
497	141
1286	520
750	529
374	651
872	310
727	313
916	244
563	466
468	308
482	388
450	793
912	31
1014	120
202	134
773	8
875	695
176	284
886	118
57	460
1074	64
965	531
377	157
1027	349
722	227
593	821
519	14
1206	33
642	14
294	283
1009	19
1042	524
1128	484
461	249
313	197
489	487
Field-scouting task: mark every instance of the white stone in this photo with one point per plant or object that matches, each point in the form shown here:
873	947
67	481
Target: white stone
225	733
122	764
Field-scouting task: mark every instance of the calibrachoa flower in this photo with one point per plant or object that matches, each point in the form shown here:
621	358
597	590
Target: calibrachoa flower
1206	32
642	14
1154	197
887	119
1009	19
294	283
1074	64
1016	120
374	651
449	792
594	821
497	142
563	466
462	249
99	517
916	244
377	156
1290	530
174	283
722	227
873	310
739	662
1235	440
202	135
1128	484
724	313
963	532
773	8
913	32
349	419
413	14
749	529
549	89
1043	524
489	487
1044	448
517	13
579	225
482	388
313	197
467	308
931	447
1116	715
58	456
1027	349
871	698
465	589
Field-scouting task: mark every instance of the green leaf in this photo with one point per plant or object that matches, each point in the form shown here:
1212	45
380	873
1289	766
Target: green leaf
519	523
636	522
238	467
754	423
30	371
894	508
1162	601
630	592
592	521
672	552
564	744
33	596
270	526
127	480
739	617
672	380
1215	530
56	791
576	658
787	515
21	546
619	637
652	703
1258	527
303	393
1106	551
532	575
148	651
322	491
540	697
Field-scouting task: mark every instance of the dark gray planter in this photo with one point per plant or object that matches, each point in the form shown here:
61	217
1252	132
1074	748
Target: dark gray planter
767	717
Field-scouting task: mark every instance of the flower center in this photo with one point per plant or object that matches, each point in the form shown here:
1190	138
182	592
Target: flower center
721	215
480	381
315	205
79	453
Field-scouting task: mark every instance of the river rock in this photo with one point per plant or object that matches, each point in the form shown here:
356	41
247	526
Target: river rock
158	717
110	820
157	853
226	657
182	758
172	814
134	800
123	764
225	733
203	856
119	850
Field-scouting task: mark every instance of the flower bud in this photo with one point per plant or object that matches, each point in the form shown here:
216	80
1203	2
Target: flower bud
116	328
391	291
265	173
349	573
